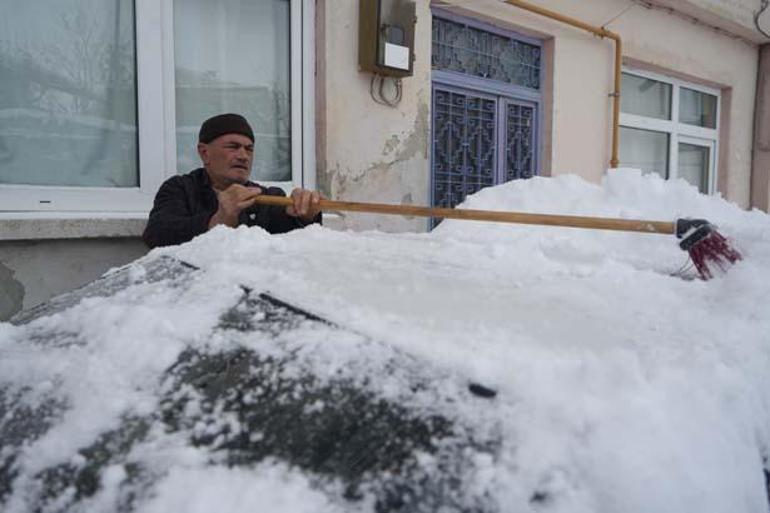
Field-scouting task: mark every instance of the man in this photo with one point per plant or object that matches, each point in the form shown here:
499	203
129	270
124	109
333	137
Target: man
220	192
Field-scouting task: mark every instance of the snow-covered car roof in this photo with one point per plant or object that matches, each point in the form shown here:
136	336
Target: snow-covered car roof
257	395
476	368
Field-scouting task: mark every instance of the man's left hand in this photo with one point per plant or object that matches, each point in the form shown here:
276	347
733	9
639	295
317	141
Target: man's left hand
306	204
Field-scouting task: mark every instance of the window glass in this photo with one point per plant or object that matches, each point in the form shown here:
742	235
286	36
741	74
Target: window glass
234	56
645	97
645	150
694	165
697	108
68	94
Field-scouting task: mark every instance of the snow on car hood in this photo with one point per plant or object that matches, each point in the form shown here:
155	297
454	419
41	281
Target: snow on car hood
621	386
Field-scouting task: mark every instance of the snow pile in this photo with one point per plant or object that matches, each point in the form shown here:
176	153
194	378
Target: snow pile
271	486
621	388
626	389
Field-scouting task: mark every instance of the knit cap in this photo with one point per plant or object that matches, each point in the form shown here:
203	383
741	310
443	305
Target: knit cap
224	124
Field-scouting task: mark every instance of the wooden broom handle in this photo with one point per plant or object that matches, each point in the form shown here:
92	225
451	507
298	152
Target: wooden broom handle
599	223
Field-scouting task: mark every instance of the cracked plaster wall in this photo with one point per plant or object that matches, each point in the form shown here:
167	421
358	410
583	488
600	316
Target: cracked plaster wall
373	152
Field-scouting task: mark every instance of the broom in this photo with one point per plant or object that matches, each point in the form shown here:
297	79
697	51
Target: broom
708	249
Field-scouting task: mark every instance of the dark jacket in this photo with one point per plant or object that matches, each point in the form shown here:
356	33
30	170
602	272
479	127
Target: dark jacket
185	203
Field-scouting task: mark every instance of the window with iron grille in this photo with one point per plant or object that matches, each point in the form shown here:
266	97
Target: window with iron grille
466	49
486	105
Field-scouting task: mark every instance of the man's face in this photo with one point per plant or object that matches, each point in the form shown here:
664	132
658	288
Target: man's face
227	159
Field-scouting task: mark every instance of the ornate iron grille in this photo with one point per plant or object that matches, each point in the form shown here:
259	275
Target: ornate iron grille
464	149
465	49
519	153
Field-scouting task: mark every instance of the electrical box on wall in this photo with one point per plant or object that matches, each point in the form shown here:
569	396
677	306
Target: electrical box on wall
386	37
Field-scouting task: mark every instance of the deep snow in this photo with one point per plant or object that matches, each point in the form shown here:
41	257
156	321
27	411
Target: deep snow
622	387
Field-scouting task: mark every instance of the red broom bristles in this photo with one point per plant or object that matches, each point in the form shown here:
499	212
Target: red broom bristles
713	251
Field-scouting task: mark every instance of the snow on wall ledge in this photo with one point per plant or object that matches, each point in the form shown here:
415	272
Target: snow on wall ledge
621	387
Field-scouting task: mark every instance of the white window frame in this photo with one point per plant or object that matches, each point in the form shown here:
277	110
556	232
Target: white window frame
677	131
711	144
156	121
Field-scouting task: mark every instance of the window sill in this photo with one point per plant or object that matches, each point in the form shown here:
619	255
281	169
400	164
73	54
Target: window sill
29	226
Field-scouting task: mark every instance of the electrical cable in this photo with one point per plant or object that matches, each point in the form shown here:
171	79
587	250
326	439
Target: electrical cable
621	13
397	85
371	90
378	93
763	4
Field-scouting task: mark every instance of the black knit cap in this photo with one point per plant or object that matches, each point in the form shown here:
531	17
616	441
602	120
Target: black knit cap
224	124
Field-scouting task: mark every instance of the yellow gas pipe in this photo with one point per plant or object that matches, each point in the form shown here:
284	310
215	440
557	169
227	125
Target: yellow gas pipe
601	32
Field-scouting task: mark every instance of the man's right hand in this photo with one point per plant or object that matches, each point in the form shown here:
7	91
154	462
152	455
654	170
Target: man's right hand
231	202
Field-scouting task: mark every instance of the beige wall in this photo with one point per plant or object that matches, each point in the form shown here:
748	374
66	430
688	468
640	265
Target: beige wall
734	16
737	11
377	153
372	152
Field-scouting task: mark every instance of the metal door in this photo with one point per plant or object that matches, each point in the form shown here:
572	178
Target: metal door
479	139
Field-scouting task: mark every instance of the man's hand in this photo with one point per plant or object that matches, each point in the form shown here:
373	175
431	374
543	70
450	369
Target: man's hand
306	204
231	202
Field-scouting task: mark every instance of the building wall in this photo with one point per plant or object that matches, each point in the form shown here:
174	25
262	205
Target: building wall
657	39
373	152
760	186
734	16
32	271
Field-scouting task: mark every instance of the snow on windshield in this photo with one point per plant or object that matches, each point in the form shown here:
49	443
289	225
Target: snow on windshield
621	386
